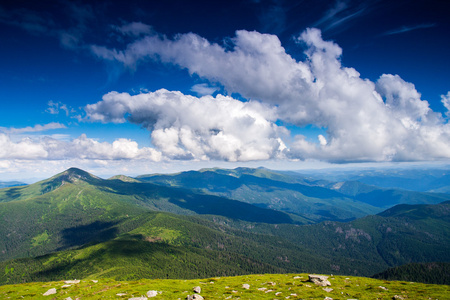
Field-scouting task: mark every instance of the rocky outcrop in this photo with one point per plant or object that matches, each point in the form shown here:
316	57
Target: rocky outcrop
320	280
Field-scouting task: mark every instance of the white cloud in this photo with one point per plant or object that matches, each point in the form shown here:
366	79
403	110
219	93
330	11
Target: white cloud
187	127
35	128
445	99
80	148
366	121
203	89
25	149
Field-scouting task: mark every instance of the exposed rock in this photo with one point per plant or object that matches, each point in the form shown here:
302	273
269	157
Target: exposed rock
197	289
121	294
151	294
72	281
246	286
66	286
383	288
397	297
68	298
320	280
194	297
328	298
262	289
49	292
327	289
297	277
94	281
138	298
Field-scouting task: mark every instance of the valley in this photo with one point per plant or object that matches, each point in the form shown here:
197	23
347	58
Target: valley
214	223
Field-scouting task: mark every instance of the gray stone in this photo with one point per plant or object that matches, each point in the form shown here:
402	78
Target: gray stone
327	289
197	289
320	280
49	292
194	297
138	298
246	286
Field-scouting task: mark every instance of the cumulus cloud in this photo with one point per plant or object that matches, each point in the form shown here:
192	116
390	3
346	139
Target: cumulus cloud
187	127
80	148
384	120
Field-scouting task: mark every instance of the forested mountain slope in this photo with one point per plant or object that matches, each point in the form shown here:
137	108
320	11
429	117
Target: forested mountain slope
75	207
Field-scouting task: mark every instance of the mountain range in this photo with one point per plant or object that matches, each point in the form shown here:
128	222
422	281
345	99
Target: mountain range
213	222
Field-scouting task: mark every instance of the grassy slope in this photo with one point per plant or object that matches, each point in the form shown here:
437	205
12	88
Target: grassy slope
293	286
74	207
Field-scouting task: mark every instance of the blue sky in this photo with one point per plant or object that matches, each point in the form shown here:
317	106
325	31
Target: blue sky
158	86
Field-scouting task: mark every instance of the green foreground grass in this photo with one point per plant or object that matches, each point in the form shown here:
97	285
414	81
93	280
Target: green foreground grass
268	286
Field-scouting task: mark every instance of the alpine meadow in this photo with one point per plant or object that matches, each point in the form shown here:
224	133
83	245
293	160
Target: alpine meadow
241	149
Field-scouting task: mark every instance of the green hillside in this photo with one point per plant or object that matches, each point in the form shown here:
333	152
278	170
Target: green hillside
78	224
161	245
263	286
75	207
369	245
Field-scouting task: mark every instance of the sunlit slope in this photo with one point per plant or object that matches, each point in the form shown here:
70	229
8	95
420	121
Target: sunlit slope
75	207
261	286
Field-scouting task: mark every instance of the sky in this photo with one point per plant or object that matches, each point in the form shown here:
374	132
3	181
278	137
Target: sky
136	87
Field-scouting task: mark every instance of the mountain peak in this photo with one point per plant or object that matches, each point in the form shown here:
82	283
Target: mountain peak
74	175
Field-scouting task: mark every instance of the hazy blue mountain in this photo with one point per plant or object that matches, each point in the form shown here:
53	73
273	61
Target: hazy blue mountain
4	184
314	200
426	179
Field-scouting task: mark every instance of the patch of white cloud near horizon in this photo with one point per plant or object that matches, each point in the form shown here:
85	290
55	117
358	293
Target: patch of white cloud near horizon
187	127
36	128
47	148
366	121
